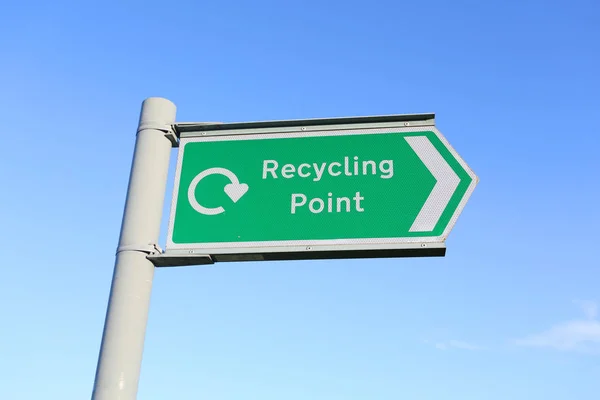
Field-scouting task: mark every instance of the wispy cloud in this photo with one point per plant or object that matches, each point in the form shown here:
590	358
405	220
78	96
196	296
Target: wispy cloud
589	308
455	344
581	335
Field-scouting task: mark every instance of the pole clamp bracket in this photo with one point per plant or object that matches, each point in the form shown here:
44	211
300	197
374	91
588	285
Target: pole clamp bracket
151	248
167	129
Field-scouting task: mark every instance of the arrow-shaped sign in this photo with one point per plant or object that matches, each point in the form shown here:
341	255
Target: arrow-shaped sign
372	184
446	183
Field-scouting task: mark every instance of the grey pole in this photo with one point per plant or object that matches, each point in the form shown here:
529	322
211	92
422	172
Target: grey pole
120	359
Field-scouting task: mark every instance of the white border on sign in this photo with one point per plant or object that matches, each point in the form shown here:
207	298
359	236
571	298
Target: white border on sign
284	245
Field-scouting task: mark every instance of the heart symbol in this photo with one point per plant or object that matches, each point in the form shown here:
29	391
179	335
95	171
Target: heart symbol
236	190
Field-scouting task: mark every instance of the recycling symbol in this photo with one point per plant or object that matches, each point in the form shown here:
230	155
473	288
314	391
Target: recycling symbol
235	190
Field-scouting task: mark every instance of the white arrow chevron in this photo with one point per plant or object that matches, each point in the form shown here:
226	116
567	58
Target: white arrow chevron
446	183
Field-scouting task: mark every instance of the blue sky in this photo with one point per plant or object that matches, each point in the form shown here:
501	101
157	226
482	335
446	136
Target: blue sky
509	313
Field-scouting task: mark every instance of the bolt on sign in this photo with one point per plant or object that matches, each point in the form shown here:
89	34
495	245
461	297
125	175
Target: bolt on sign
328	188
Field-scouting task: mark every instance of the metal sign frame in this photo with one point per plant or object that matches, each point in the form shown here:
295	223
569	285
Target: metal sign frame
203	253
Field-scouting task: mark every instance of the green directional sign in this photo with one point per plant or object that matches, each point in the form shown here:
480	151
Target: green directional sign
317	191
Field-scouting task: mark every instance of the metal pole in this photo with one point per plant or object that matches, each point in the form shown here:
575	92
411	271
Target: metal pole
120	359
